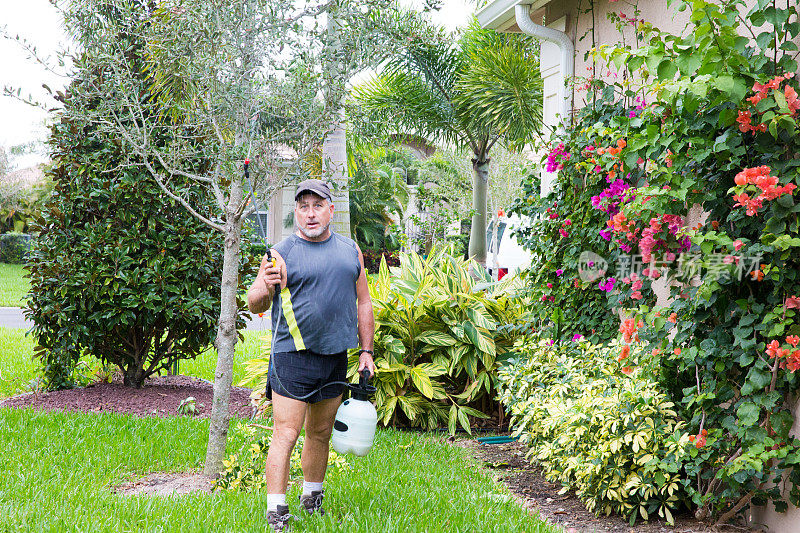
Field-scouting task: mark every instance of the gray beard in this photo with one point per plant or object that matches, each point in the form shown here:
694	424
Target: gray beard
313	234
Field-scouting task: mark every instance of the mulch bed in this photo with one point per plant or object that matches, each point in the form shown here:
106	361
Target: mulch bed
160	396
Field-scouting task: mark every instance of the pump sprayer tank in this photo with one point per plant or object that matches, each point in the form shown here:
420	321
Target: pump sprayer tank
356	420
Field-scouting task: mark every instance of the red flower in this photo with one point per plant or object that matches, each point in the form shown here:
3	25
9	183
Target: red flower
626	351
791	99
673	318
627	370
774	349
737	245
793	340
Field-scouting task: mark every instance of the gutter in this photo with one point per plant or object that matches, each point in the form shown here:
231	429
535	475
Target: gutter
564	43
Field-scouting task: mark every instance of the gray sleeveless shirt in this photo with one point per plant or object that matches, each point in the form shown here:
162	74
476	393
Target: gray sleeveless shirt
317	309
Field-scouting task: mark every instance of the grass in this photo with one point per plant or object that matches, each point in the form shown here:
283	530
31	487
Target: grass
59	467
203	367
17	367
13	286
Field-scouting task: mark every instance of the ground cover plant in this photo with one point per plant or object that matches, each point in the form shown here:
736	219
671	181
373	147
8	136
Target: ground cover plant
13	285
409	482
707	125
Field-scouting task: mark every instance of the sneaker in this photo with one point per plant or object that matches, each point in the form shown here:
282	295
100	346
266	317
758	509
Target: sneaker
313	503
279	521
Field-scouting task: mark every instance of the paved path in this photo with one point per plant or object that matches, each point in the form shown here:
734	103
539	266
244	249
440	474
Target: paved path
12	317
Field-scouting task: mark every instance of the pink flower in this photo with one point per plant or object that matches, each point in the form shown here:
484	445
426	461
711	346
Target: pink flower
737	245
637	295
559	271
563	232
549	285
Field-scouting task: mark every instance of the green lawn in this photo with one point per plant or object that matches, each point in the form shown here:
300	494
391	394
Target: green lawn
17	368
59	467
13	286
203	367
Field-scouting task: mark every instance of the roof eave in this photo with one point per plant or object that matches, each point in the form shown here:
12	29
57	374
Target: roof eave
499	15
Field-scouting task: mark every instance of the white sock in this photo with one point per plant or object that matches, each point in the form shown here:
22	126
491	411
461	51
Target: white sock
274	500
309	487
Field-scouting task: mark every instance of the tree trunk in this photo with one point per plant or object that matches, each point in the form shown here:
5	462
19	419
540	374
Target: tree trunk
334	147
334	151
226	343
477	234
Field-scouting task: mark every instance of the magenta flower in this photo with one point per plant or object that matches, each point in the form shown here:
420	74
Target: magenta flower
559	271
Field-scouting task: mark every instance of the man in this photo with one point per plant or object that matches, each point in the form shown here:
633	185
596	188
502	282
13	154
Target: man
321	307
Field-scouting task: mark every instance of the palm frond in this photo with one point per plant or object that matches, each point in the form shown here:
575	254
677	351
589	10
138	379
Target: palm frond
402	102
502	92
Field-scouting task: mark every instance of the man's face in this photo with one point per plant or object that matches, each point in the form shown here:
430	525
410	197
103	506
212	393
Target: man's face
312	214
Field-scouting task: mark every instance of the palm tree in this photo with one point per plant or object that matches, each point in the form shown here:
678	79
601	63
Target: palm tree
472	92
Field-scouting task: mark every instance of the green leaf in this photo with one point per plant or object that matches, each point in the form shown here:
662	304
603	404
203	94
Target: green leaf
481	318
462	418
422	381
748	414
452	419
436	338
667	69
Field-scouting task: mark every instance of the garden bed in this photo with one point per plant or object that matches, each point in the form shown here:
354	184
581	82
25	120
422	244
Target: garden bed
160	396
526	481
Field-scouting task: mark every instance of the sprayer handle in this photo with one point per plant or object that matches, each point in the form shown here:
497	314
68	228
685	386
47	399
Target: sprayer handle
363	379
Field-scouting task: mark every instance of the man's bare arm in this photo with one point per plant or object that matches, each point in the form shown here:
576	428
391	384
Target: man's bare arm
366	319
261	292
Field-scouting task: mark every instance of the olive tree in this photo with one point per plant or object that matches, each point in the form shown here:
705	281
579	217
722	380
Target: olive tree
231	82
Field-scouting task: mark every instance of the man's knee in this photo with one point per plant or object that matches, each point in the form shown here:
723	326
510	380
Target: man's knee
320	432
285	436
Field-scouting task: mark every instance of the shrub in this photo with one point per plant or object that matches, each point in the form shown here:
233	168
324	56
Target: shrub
119	270
14	247
725	146
613	437
574	274
439	339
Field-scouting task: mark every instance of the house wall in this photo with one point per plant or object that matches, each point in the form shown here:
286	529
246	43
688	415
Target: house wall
281	203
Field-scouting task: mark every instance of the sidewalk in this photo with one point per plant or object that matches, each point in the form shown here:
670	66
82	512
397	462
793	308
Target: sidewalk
12	317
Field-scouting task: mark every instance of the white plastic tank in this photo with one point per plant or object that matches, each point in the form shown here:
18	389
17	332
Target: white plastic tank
355	423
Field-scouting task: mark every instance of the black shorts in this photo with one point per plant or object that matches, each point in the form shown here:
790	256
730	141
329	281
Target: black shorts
304	372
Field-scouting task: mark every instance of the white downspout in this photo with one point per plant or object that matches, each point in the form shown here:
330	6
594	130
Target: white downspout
564	43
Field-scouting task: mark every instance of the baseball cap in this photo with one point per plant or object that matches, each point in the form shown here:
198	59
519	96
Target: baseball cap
316	186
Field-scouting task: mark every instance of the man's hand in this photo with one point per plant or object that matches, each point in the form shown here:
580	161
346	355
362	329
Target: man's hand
268	279
365	361
274	276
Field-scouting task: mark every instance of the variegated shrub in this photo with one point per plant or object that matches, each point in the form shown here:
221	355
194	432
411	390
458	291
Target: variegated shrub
440	336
